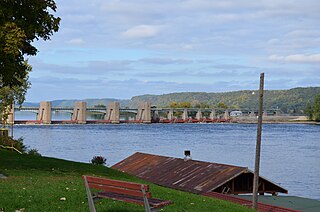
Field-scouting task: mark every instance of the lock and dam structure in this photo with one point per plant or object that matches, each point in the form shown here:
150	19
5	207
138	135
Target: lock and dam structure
113	114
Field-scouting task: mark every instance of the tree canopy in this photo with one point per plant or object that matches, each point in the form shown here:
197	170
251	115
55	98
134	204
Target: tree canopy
21	23
314	109
180	105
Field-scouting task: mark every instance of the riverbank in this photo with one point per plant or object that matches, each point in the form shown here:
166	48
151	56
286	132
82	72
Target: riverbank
34	183
273	120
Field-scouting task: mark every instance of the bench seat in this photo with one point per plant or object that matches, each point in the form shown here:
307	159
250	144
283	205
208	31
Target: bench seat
123	191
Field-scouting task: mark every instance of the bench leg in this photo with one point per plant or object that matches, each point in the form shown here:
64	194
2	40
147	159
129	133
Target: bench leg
145	200
89	196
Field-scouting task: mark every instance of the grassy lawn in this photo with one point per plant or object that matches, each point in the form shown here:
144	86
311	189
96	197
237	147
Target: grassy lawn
37	184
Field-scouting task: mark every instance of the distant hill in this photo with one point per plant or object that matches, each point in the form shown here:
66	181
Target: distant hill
289	101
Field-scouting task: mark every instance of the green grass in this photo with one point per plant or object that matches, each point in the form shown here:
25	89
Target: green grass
37	184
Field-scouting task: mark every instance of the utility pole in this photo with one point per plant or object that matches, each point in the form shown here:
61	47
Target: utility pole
258	146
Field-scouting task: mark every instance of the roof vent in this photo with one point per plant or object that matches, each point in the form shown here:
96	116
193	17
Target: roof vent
187	155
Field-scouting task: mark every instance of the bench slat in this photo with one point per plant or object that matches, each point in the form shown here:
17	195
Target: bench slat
121	197
154	203
119	190
123	191
117	183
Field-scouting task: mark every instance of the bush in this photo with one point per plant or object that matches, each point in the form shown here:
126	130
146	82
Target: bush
34	152
98	160
19	145
16	143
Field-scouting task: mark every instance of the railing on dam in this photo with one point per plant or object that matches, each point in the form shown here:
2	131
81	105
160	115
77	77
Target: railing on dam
143	114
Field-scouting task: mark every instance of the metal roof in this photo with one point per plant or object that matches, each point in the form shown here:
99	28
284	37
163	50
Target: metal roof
191	175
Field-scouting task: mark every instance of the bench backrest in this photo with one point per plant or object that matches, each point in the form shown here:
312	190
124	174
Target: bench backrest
118	186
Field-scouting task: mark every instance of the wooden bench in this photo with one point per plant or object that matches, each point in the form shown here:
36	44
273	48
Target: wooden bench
124	191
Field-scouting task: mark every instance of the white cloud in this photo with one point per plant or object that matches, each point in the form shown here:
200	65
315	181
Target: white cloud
142	31
297	58
76	41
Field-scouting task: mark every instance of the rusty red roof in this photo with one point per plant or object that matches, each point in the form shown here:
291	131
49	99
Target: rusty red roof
191	175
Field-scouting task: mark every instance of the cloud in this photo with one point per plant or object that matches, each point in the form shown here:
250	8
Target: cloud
76	41
297	58
166	61
142	31
233	66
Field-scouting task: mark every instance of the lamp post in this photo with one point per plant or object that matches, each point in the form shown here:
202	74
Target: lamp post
258	146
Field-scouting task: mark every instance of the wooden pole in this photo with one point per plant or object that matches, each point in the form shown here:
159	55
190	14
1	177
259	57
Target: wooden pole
258	146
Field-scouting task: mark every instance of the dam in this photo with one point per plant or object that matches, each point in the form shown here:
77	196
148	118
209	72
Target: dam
114	114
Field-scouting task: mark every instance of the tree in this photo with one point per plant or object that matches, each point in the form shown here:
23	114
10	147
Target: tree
222	105
180	105
316	108
21	22
202	105
313	110
9	95
185	105
173	105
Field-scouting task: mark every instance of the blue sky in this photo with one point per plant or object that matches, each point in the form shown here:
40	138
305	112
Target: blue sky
123	48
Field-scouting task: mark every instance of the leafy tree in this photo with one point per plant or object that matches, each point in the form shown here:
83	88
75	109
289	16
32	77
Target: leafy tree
185	105
21	22
309	111
222	105
202	105
15	93
173	105
180	105
313	110
316	108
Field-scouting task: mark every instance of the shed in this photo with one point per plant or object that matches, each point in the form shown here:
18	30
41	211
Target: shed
194	176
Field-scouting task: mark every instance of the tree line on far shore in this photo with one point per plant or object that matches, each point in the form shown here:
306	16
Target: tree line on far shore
296	101
313	109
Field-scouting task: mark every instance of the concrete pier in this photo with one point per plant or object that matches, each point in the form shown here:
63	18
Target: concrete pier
144	112
113	113
199	114
44	114
213	114
80	113
185	115
155	116
170	114
226	115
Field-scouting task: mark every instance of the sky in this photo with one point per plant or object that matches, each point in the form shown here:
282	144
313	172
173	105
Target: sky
123	48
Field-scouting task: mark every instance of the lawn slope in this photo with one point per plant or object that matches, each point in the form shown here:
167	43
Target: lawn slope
38	183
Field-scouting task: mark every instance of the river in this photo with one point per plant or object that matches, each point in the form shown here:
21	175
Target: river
290	154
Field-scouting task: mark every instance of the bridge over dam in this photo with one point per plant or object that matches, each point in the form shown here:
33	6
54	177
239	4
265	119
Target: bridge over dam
113	114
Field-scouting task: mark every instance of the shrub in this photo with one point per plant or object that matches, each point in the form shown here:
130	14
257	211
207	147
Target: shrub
19	145
98	160
34	152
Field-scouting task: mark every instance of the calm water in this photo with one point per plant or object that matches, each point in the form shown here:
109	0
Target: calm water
290	154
